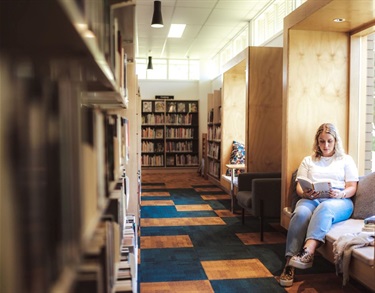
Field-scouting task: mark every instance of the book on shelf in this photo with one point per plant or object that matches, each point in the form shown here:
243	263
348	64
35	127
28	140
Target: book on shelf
147	106
159	106
159	133
181	107
172	107
193	107
322	186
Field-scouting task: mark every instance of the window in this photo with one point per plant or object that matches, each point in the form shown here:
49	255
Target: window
270	22
168	69
362	106
178	69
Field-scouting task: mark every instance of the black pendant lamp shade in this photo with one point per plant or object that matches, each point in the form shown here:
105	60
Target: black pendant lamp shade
149	64
157	18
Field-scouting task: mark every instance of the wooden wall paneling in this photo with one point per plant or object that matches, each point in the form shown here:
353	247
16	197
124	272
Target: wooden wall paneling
264	110
234	112
315	92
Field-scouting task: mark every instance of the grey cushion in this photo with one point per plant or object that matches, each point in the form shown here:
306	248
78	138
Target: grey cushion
244	199
364	200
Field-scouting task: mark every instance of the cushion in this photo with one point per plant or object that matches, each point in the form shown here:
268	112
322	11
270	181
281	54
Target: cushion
244	199
237	156
364	200
293	196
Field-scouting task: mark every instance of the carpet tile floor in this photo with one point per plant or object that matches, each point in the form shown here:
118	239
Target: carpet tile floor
191	242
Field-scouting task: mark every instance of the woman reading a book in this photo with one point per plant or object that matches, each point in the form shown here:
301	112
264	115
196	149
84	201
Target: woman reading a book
314	214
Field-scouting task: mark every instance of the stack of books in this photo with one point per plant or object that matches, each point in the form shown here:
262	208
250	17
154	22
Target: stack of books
369	224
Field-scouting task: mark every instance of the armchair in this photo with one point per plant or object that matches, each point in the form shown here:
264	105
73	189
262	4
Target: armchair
260	194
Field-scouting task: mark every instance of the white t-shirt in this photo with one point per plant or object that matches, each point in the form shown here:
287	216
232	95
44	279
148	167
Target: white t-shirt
338	170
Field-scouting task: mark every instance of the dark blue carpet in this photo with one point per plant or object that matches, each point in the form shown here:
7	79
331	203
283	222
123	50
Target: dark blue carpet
210	243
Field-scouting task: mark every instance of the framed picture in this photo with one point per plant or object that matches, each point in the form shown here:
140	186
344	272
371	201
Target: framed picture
160	106
147	106
193	107
172	107
181	107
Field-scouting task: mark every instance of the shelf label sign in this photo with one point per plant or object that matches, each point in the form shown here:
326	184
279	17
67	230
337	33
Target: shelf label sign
164	97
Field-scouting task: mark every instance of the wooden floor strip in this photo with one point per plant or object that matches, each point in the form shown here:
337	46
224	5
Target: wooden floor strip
173	241
225	213
215	197
268	238
157	203
193	207
203	286
182	221
235	269
155	193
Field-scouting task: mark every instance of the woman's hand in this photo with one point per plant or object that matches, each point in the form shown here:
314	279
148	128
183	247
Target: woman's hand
336	193
310	194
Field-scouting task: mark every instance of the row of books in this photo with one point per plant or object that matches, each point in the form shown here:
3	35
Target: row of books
213	150
214	133
109	263
151	147
179	119
152	119
180	133
150	132
152	160
126	274
214	169
182	160
181	146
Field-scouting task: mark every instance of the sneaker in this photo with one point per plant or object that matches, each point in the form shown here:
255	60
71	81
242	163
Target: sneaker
302	260
287	276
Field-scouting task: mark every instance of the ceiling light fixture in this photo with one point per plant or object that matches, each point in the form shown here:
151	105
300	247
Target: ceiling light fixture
149	64
176	30
339	20
157	18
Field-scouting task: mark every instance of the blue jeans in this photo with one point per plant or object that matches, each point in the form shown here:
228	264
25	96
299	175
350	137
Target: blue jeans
312	219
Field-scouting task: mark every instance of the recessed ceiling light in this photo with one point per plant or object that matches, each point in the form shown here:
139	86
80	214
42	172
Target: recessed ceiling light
176	30
339	19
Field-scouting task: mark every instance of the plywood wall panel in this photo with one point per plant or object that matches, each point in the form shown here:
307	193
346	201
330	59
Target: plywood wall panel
316	92
233	114
264	110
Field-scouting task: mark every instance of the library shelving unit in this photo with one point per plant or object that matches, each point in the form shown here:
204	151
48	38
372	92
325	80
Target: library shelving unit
170	133
214	135
65	174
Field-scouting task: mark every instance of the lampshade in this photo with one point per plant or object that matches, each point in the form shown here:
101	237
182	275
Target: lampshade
157	18
149	64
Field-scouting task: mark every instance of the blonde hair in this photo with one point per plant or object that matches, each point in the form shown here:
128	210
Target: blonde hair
332	130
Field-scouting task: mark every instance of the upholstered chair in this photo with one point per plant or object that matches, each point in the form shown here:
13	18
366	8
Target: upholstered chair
260	195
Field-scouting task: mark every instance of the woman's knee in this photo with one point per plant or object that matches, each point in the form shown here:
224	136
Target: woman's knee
302	214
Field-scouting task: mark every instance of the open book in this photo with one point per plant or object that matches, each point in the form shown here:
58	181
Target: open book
322	186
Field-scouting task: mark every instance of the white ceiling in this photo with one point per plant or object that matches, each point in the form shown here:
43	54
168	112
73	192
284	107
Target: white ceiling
210	24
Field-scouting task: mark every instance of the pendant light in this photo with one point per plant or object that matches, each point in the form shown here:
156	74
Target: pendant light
149	64
157	18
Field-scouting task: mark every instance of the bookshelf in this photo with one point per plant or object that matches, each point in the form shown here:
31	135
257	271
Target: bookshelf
64	205
214	135
170	133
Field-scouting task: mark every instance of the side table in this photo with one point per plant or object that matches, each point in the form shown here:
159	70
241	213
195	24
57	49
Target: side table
233	167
